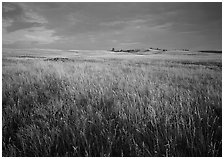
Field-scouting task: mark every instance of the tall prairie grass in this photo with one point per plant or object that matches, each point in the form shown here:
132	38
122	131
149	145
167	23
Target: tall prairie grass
83	108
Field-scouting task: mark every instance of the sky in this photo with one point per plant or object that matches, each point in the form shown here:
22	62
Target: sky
98	26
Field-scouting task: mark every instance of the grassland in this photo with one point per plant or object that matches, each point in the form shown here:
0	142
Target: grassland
103	104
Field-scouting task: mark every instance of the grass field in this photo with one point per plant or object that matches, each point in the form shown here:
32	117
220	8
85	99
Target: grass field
111	104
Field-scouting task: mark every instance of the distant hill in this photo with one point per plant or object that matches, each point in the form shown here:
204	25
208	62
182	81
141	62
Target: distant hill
210	51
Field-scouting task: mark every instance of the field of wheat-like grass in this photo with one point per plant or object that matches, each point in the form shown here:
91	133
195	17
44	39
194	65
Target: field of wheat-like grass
111	107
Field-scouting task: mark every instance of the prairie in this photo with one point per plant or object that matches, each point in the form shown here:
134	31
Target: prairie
99	103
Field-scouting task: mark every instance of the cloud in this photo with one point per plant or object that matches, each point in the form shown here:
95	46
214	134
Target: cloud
92	25
37	35
17	16
21	25
6	23
33	17
129	43
7	7
42	36
119	23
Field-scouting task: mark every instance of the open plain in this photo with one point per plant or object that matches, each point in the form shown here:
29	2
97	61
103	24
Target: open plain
104	103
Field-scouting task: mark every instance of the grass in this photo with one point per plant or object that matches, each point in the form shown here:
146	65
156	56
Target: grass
110	108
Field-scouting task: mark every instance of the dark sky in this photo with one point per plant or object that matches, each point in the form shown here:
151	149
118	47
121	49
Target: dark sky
98	26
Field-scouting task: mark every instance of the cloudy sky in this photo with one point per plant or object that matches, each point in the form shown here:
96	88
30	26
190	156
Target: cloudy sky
107	25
